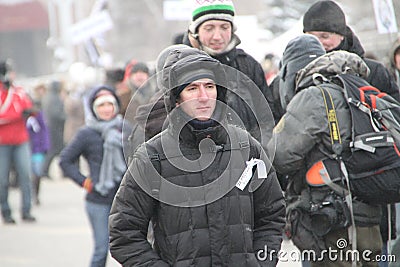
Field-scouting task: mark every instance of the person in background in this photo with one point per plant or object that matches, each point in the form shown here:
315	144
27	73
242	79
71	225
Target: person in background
15	107
326	20
212	29
394	59
136	89
282	84
100	143
270	65
195	229
39	140
115	78
54	115
150	117
291	62
178	38
74	111
302	138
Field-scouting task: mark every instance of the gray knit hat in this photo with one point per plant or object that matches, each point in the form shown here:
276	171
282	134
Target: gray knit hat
204	10
298	53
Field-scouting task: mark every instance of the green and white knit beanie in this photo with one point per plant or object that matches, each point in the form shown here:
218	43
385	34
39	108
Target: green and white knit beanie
204	10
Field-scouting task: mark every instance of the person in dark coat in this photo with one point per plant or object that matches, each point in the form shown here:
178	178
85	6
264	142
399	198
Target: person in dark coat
100	143
185	180
150	117
305	124
326	20
212	30
135	90
394	60
39	140
54	115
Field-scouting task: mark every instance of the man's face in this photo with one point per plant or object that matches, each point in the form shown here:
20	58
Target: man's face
397	60
215	34
138	78
198	99
329	40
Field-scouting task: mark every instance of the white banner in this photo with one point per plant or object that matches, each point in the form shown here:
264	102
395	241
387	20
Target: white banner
177	10
384	16
91	27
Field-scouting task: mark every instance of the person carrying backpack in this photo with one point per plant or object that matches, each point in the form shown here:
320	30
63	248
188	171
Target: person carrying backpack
326	20
319	218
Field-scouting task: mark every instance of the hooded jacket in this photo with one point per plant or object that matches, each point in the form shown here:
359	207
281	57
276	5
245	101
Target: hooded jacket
88	142
305	123
200	218
298	53
14	102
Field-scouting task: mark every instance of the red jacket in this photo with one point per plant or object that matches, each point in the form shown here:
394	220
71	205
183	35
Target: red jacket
13	102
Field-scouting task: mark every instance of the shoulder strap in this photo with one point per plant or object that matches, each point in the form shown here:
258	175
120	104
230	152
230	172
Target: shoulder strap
337	149
334	130
242	144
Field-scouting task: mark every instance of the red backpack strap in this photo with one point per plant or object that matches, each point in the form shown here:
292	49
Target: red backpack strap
372	96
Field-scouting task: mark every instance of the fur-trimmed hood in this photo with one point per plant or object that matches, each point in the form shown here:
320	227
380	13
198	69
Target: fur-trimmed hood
331	64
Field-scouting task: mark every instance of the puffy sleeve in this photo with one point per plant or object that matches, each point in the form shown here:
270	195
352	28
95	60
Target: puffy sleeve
298	131
130	214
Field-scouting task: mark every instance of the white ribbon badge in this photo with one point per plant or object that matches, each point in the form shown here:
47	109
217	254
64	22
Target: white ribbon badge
247	173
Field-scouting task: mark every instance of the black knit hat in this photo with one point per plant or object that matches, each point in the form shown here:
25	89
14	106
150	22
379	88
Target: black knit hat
5	67
140	66
325	16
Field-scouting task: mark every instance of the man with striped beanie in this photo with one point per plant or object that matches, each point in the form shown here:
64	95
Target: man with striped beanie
212	29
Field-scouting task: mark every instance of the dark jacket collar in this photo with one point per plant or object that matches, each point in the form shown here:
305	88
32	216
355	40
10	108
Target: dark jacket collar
351	43
179	125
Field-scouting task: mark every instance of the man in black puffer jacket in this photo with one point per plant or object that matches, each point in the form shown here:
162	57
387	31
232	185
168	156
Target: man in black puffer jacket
186	181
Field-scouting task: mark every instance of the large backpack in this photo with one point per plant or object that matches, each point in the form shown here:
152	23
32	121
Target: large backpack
370	168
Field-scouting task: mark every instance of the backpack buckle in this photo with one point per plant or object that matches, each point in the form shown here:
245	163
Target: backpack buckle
244	145
155	157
